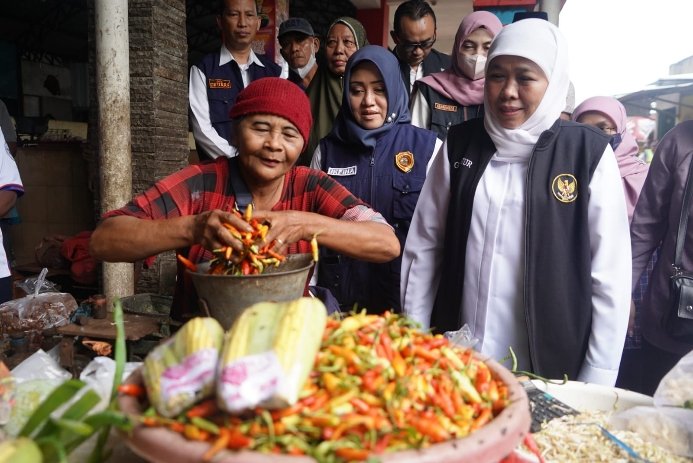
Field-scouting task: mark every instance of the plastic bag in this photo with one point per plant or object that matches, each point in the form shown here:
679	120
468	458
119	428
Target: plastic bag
668	427
462	337
40	365
38	284
676	388
36	313
98	374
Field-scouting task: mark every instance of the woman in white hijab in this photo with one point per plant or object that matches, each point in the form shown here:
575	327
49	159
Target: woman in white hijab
521	230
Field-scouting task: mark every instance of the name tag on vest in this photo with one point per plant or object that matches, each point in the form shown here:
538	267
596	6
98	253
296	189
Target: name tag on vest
219	83
341	171
446	107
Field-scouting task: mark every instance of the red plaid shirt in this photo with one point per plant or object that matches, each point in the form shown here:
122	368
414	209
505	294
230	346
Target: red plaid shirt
205	187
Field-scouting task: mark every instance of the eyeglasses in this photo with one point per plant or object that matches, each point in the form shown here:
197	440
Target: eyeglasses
410	46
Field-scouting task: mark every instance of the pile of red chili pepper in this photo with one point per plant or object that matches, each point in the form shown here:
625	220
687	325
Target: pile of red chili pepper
255	257
378	385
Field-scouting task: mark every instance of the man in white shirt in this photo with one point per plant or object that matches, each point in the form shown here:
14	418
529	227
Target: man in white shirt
10	188
218	78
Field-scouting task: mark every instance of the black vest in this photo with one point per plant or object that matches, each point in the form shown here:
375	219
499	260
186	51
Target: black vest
224	83
446	112
557	274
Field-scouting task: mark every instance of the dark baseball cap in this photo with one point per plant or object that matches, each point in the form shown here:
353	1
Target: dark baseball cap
295	25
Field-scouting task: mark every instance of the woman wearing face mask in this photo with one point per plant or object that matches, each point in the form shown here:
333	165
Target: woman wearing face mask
608	115
521	230
455	95
381	158
344	37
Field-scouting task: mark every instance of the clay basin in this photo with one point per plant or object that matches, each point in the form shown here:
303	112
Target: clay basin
488	444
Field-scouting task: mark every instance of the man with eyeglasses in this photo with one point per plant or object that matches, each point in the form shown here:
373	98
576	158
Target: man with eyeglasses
220	76
414	35
298	47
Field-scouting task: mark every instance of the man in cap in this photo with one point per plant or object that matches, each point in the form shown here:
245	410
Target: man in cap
220	76
298	47
414	35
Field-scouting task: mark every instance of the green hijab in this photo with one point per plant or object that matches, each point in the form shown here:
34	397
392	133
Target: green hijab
325	92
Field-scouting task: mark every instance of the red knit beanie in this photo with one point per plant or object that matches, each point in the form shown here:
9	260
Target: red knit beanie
279	97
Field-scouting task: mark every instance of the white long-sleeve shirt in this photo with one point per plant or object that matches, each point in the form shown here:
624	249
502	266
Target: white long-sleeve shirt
202	129
493	281
420	111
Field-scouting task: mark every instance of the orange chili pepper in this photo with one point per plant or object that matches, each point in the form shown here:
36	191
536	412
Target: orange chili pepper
360	405
482	419
351	454
203	409
431	428
248	212
314	247
238	440
233	230
245	267
431	356
187	263
228	252
349	355
219	444
134	390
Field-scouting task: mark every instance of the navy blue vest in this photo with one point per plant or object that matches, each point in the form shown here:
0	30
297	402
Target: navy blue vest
446	112
374	177
558	287
225	82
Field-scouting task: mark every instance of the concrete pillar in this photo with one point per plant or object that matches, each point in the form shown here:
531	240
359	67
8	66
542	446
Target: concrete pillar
113	94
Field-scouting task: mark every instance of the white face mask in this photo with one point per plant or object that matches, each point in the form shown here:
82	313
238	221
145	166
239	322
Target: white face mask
303	72
473	66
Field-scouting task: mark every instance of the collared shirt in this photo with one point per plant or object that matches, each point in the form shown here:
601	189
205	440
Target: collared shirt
415	73
204	133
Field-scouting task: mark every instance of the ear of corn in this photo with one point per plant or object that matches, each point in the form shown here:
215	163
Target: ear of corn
182	371
269	353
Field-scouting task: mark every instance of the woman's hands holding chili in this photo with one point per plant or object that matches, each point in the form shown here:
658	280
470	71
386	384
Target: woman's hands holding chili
209	230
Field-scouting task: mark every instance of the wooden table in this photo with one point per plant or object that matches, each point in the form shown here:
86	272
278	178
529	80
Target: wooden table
136	328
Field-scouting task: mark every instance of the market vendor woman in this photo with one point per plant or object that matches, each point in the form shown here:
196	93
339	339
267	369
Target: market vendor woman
186	210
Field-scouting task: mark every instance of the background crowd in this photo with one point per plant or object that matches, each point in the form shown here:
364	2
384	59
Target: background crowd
458	189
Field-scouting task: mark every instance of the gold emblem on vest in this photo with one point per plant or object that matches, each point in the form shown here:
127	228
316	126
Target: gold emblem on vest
219	83
564	188
445	107
404	160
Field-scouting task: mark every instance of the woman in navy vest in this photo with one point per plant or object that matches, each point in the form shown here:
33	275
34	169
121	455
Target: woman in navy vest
376	153
521	231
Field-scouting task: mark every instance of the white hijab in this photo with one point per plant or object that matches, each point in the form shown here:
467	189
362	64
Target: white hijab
541	42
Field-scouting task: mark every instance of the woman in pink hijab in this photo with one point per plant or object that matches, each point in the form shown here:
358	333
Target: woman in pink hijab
443	99
608	114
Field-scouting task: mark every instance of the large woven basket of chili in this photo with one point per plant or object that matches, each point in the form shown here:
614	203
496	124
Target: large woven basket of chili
415	405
